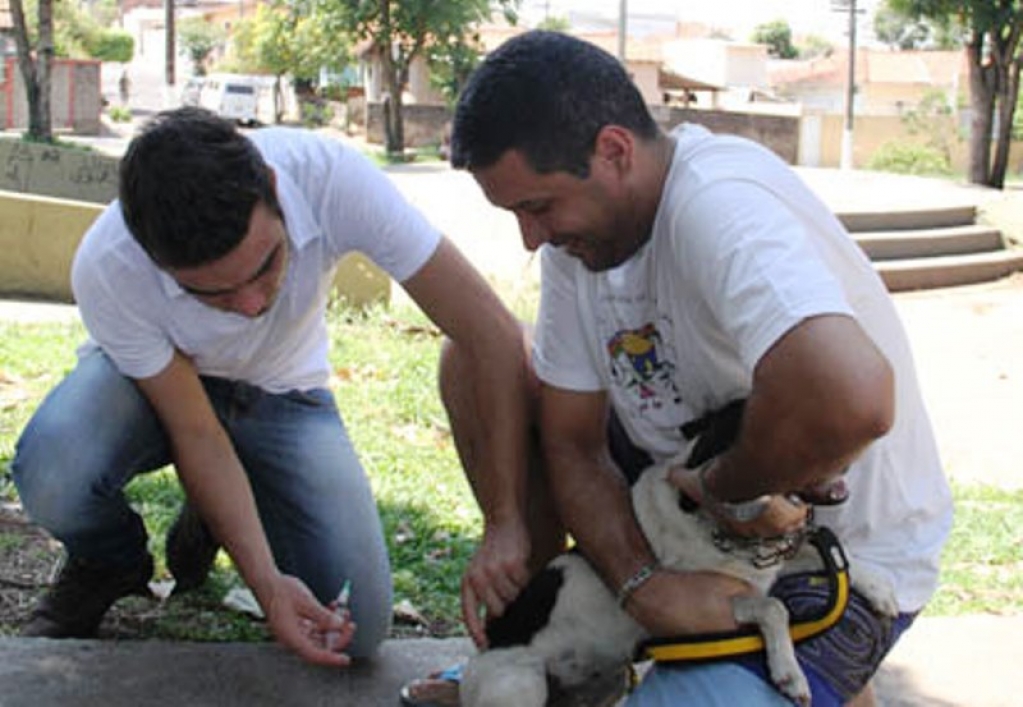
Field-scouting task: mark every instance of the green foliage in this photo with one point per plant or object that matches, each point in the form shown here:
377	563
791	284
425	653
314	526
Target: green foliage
553	23
985	543
119	114
777	35
905	158
316	113
112	45
927	24
298	39
79	34
199	38
815	46
452	62
401	30
900	31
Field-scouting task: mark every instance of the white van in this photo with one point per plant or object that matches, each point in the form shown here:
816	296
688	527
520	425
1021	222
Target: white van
237	97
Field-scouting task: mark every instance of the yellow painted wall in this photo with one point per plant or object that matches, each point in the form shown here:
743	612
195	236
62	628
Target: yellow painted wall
871	132
39	236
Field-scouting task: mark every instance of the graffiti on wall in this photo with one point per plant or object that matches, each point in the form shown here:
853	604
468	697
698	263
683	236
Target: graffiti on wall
48	170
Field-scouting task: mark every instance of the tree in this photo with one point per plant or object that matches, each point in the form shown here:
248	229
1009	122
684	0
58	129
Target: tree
400	30
777	35
815	46
296	38
993	29
199	37
80	34
899	31
36	67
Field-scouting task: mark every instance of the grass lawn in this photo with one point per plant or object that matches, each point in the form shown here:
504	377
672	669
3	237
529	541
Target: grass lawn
384	380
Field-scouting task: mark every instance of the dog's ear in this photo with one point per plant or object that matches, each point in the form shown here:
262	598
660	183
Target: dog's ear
714	432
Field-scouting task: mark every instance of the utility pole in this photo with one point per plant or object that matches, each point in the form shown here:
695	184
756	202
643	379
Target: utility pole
168	23
850	86
623	27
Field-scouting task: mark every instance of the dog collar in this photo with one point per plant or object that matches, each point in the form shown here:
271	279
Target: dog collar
721	645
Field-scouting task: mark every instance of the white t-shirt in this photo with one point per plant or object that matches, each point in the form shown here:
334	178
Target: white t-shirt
334	202
741	252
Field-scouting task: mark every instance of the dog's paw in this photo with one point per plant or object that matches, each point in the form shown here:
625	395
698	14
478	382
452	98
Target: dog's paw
793	684
877	590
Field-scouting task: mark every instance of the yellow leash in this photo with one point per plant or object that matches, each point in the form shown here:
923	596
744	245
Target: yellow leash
720	645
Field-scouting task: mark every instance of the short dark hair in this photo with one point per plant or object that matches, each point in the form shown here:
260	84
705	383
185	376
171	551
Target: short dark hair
188	185
548	95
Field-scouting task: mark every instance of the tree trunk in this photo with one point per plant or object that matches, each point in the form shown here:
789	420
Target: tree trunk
394	129
44	128
1006	109
35	74
982	102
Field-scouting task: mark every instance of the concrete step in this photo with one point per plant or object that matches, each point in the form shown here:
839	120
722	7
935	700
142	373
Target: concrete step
929	242
948	270
909	218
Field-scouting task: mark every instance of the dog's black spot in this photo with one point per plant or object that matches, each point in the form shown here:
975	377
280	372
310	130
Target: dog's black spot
686	504
530	611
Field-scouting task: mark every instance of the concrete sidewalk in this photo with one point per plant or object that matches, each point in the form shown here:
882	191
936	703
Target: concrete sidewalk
942	662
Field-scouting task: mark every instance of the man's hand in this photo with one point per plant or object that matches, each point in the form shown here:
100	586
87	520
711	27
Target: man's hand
302	624
495	576
686	603
782	515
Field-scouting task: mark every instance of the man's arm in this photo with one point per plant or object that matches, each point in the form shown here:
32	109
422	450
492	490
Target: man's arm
596	506
820	395
215	481
453	294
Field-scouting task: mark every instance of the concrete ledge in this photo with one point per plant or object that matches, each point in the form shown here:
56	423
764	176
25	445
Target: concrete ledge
39	236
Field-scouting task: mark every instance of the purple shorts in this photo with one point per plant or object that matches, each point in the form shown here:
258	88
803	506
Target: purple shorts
839	662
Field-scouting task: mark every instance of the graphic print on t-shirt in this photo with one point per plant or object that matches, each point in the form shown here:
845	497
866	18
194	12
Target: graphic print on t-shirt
639	369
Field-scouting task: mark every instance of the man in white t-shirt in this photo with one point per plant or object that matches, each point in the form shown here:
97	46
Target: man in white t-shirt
681	272
204	292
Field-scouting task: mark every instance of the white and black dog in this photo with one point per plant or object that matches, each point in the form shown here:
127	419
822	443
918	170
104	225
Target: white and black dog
567	629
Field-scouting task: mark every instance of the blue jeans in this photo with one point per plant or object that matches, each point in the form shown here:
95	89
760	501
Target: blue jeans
95	431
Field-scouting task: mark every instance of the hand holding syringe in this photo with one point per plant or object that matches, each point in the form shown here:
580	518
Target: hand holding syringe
332	639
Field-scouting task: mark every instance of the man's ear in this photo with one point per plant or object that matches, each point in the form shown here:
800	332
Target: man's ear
615	147
273	178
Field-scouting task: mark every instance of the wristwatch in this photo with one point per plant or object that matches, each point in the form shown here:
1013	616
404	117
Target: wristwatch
738	512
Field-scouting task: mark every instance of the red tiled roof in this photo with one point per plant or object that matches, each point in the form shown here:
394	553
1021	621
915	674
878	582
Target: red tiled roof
872	66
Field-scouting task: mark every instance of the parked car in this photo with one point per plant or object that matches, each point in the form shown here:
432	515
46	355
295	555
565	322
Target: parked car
245	99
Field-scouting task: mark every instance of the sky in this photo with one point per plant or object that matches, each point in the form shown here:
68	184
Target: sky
740	17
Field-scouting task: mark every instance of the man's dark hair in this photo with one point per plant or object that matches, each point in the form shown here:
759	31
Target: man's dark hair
188	185
548	95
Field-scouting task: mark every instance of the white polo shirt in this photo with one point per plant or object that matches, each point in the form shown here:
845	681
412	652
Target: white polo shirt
741	252
334	202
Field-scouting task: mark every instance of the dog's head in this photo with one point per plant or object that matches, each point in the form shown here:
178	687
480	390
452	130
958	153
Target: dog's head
712	434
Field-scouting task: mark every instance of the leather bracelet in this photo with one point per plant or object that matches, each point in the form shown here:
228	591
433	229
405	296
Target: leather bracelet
641	577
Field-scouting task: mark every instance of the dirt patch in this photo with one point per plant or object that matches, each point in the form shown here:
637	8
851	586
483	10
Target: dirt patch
30	560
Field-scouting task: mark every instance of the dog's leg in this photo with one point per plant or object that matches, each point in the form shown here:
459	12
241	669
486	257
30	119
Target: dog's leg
771	616
876	589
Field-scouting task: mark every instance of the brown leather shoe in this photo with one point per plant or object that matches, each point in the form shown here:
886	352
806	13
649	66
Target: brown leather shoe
84	591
